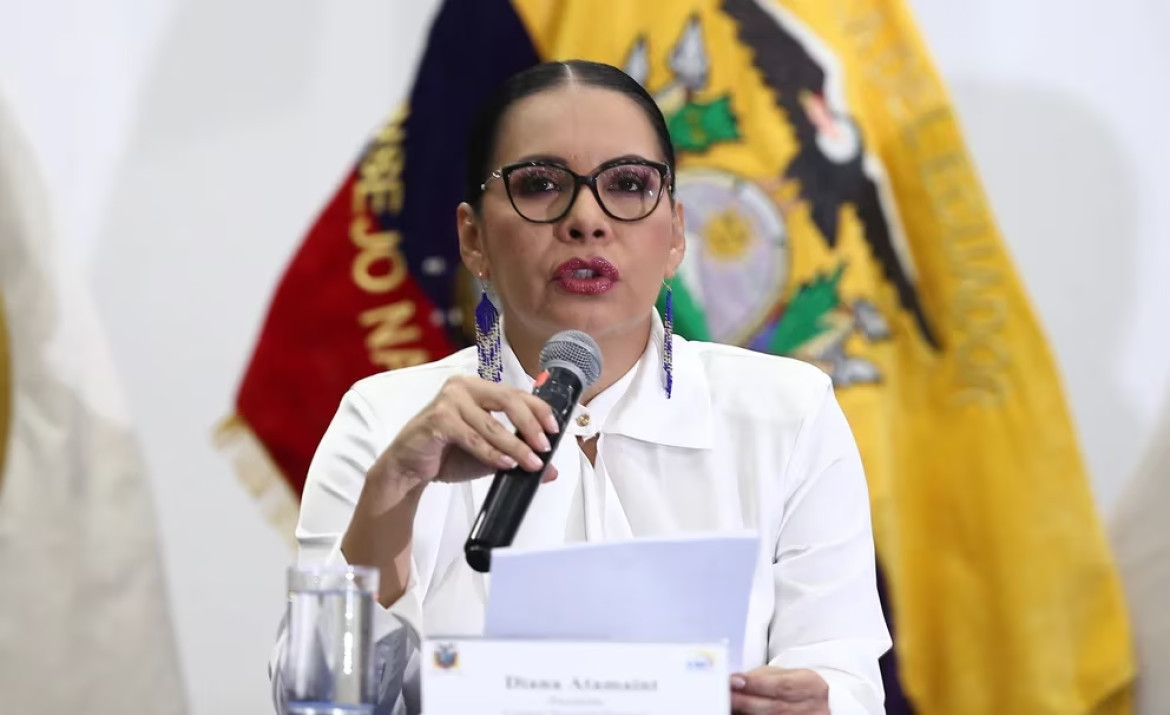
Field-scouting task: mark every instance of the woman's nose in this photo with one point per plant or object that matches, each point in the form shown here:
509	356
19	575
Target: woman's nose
586	219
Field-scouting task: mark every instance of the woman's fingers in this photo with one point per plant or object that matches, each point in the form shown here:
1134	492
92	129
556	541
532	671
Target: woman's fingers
501	398
473	399
530	415
499	437
448	421
549	474
522	411
461	415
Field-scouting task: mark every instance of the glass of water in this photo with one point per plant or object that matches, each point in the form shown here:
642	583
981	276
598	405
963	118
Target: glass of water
329	662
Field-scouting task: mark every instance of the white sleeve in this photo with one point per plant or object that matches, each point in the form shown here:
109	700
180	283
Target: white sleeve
351	445
828	616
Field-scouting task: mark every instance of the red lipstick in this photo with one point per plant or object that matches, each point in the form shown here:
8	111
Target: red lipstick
586	276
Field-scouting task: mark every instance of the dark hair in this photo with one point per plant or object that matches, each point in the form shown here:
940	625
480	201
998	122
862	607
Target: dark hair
543	77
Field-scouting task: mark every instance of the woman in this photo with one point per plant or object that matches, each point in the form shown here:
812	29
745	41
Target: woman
570	219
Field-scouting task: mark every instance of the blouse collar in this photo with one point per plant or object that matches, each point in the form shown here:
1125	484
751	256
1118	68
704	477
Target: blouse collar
636	406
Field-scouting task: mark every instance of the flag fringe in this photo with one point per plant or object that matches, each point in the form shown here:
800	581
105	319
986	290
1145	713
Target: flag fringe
259	475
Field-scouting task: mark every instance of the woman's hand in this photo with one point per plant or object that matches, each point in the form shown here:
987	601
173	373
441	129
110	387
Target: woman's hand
455	437
778	691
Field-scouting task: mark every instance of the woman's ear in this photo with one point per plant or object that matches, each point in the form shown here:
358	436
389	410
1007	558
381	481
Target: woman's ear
471	248
678	239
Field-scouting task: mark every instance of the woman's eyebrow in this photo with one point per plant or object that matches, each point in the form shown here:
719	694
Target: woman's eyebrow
547	158
626	157
561	161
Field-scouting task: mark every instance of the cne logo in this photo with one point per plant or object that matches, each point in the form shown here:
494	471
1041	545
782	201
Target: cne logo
703	660
446	656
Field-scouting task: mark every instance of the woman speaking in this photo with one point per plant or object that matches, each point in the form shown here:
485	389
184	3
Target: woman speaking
570	223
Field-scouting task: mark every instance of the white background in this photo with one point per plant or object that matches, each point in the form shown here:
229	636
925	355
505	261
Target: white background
189	144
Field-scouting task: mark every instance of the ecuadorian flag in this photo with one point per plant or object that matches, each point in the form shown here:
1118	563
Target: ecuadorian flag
834	216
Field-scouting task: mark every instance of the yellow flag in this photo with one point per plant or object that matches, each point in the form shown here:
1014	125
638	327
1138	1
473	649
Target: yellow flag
834	215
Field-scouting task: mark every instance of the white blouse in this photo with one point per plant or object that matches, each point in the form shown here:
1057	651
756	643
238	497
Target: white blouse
747	441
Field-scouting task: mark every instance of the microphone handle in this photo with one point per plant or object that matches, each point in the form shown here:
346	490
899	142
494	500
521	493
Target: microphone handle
512	491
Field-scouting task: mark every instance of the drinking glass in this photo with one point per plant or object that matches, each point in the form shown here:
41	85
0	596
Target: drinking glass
329	663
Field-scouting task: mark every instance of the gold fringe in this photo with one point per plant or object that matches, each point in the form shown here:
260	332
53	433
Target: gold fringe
259	475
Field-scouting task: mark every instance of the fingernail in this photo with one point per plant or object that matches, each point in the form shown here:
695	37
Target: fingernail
542	443
738	682
533	462
551	426
507	462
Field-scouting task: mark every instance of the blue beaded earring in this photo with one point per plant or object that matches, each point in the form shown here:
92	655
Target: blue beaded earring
668	341
487	336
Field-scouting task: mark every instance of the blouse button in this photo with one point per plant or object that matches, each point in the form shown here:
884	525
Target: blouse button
583	419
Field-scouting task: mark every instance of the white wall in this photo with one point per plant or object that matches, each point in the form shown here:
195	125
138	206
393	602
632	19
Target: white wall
189	144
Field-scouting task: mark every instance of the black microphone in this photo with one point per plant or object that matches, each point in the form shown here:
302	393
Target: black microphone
570	363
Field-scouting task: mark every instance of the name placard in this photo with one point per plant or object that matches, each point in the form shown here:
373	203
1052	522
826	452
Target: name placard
514	677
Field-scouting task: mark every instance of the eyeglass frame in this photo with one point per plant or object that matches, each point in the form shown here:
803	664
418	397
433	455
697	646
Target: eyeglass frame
589	180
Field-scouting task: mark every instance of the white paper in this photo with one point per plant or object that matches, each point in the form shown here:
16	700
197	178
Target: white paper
689	588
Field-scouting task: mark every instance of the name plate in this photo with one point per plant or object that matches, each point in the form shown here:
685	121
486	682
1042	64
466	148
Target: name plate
552	677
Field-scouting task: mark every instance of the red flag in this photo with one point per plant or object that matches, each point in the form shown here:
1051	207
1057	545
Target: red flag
377	284
347	307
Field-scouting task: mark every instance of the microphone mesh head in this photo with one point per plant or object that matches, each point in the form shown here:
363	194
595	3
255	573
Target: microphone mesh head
576	349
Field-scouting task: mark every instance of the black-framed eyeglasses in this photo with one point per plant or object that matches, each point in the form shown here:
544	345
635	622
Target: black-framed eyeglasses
544	192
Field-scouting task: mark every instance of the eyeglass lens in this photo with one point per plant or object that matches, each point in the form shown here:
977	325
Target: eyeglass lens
543	193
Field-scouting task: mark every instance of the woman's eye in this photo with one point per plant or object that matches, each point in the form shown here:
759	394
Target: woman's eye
535	183
628	182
